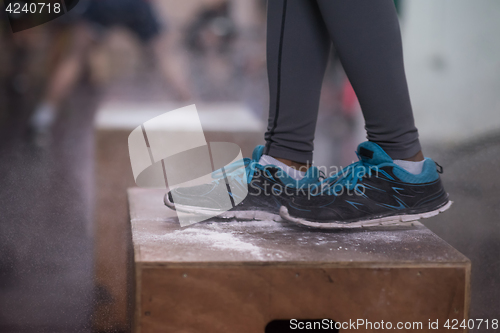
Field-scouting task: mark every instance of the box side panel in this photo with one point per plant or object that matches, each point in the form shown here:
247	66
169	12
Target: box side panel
245	299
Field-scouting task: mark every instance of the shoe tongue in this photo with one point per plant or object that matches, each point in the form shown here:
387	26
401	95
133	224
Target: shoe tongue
371	153
257	153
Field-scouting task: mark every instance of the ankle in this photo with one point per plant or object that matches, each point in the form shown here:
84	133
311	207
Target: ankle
415	158
295	165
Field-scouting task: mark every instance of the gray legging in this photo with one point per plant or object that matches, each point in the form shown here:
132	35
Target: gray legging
366	36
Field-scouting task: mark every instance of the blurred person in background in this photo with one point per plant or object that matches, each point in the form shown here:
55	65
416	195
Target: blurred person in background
73	41
88	23
209	39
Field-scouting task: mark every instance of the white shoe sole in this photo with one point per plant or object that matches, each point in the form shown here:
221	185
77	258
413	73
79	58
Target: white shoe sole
396	220
244	215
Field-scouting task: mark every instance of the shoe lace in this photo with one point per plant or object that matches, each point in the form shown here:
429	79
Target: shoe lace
348	177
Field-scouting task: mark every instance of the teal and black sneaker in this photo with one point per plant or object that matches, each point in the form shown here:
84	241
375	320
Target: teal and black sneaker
268	187
373	191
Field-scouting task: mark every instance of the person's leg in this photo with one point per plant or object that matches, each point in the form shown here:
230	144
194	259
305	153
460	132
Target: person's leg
62	81
376	190
367	37
297	52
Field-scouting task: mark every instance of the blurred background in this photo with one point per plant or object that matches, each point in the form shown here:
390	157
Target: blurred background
71	91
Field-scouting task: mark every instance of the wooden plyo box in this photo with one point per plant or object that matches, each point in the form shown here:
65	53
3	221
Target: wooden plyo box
239	276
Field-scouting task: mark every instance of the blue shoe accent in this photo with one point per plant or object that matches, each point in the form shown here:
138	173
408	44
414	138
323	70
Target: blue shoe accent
429	173
257	153
372	158
373	154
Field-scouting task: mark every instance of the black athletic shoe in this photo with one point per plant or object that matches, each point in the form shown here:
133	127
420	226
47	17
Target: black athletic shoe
268	188
372	191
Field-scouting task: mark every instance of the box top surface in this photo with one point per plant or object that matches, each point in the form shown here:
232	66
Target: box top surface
158	239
